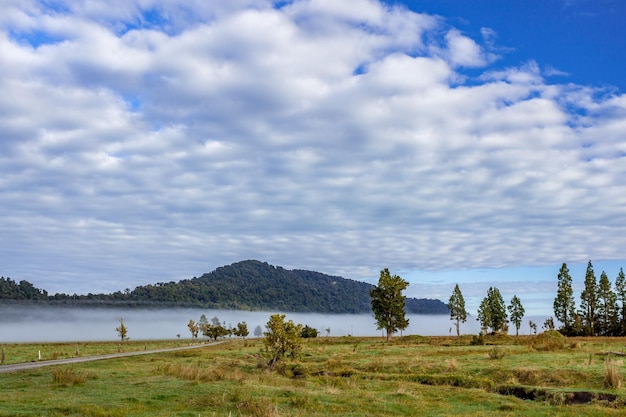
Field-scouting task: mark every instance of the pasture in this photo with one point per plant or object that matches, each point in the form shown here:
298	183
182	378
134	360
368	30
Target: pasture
545	375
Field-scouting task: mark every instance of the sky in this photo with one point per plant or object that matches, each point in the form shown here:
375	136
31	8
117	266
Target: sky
481	143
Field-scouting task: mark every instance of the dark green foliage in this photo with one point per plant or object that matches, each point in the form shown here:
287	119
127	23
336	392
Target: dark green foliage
241	330
620	289
247	285
388	303
516	310
308	332
564	306
492	311
24	290
589	302
607	307
456	305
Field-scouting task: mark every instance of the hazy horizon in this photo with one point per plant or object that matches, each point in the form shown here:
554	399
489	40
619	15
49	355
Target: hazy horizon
69	324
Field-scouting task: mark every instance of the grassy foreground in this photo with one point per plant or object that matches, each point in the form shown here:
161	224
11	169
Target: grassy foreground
339	376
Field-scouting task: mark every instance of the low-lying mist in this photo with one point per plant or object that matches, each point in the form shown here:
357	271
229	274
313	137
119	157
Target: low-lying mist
68	324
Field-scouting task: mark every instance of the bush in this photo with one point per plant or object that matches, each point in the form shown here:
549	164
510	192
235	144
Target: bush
281	339
308	332
496	353
549	341
478	340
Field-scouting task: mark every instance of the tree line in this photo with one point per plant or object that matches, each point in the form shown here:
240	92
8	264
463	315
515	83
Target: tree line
602	308
388	306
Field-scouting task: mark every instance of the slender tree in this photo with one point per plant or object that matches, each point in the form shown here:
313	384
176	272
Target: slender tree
122	330
589	302
620	289
484	315
193	329
564	306
388	303
516	311
607	306
202	324
492	311
456	305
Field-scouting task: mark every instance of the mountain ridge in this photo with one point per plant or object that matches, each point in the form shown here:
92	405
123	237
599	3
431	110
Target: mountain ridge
245	285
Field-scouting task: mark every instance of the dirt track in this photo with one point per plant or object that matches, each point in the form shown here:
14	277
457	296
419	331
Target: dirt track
32	365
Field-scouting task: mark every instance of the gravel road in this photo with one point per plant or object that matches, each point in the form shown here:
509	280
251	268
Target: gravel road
40	364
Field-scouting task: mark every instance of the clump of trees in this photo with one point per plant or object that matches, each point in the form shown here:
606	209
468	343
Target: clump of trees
23	290
216	329
602	309
492	312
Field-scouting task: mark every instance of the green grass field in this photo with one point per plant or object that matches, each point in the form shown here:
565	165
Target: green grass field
337	376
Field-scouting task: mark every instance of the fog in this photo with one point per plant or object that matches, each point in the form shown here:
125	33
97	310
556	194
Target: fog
64	324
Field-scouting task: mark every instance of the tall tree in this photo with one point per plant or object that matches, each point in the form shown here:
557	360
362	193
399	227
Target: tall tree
456	305
564	306
492	311
388	303
620	289
516	311
607	306
589	302
484	315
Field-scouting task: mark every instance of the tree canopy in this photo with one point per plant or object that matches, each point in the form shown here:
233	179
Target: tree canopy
456	304
388	303
492	311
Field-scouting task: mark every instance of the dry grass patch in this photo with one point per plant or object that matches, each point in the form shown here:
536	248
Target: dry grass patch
66	377
612	377
200	372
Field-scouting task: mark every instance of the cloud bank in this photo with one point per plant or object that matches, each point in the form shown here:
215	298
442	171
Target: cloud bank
154	140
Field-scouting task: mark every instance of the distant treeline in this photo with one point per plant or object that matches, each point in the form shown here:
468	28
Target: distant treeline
20	291
247	285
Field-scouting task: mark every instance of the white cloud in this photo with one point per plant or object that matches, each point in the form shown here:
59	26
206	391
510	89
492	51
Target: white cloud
463	51
310	136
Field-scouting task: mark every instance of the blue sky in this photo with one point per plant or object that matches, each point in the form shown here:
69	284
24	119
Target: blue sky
476	142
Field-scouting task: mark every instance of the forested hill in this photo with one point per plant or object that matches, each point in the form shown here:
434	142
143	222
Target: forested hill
252	285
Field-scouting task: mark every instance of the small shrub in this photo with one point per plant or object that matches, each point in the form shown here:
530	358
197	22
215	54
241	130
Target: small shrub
496	353
550	340
478	340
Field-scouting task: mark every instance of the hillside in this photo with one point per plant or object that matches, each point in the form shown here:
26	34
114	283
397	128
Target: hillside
255	285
